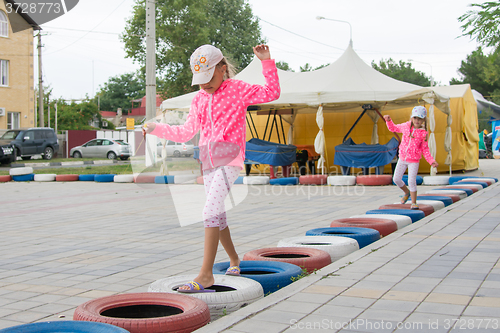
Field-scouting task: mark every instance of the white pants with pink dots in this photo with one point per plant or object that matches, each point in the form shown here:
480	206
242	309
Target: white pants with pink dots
412	174
218	182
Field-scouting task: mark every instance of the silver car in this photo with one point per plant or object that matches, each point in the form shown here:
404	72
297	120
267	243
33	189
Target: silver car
107	148
176	149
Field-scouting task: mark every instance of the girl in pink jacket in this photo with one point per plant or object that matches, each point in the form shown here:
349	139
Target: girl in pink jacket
413	145
218	111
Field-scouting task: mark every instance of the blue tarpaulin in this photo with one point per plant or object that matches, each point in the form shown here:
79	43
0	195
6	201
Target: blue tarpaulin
271	153
265	152
350	154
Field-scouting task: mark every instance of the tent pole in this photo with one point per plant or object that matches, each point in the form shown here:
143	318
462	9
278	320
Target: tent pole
283	130
355	123
267	123
253	124
249	127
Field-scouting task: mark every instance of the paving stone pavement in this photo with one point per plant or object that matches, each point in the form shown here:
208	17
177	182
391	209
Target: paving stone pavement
64	243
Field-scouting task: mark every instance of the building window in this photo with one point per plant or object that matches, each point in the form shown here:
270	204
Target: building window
13	120
4	73
4	25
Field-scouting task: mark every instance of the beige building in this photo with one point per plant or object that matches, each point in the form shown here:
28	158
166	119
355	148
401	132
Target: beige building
17	106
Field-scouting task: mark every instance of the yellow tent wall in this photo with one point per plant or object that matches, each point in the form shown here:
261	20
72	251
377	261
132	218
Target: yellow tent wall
464	127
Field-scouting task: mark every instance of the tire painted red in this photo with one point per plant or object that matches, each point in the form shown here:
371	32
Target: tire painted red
308	258
144	179
453	197
167	312
313	180
482	180
374	180
67	178
383	226
5	178
427	209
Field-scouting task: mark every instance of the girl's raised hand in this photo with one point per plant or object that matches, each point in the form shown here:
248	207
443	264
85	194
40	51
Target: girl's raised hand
262	52
387	118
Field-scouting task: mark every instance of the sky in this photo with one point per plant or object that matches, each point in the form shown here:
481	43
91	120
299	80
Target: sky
82	49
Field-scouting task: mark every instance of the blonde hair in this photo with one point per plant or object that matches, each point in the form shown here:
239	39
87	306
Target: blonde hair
424	127
230	70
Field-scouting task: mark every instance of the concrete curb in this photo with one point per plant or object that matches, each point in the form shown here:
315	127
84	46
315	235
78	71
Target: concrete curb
42	164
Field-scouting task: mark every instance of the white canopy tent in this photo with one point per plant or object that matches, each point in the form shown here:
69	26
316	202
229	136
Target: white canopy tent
345	85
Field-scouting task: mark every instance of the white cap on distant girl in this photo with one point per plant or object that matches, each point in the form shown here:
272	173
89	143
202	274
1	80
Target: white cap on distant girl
203	62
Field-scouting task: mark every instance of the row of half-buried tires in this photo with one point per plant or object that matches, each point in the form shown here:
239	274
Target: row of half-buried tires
308	258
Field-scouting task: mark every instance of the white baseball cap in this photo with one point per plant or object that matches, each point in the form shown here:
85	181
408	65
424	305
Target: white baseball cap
203	62
419	111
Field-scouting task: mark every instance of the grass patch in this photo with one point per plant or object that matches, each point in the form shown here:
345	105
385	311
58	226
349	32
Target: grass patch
116	169
60	159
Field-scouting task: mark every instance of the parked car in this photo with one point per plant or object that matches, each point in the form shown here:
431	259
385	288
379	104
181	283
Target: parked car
107	148
7	153
176	149
28	142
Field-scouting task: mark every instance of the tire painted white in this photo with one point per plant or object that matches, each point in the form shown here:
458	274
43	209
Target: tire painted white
123	179
341	180
45	177
401	220
478	186
336	246
219	303
478	179
436	180
434	203
185	179
20	171
460	193
256	180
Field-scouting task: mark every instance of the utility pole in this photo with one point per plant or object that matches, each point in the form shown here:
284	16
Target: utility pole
40	82
150	60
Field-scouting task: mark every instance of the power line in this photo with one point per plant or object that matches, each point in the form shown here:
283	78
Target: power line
90	30
296	34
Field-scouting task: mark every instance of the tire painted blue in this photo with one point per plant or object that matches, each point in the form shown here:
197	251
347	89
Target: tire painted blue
24	178
472	183
272	275
284	181
454	179
104	178
364	236
468	191
446	200
65	326
164	179
420	180
239	180
415	215
86	178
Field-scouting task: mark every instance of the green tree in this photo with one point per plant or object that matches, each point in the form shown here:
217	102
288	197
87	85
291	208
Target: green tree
284	66
308	68
120	90
182	26
77	116
481	24
482	72
402	71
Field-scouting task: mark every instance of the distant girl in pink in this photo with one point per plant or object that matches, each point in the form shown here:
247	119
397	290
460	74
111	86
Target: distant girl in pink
413	145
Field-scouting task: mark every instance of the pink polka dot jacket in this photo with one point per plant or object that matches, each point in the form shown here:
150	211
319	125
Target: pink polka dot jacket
221	118
412	147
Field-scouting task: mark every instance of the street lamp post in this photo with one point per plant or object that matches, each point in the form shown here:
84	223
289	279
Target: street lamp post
426	63
329	19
